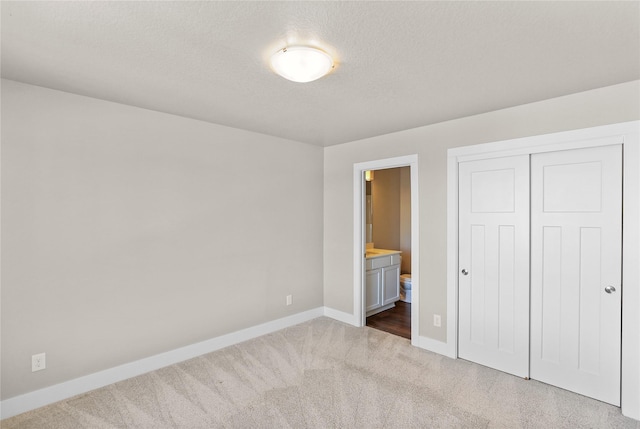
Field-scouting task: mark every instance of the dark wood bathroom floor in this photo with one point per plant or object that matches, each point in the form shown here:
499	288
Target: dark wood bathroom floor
396	320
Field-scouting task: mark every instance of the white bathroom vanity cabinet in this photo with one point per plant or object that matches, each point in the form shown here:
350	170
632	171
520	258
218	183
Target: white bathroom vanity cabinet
382	279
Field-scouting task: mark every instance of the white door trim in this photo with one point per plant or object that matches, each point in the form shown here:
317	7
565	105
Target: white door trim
628	134
358	234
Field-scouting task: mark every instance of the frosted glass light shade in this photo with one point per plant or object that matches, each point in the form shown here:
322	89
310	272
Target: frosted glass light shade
301	63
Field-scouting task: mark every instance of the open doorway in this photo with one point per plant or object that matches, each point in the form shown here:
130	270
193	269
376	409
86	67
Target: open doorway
386	263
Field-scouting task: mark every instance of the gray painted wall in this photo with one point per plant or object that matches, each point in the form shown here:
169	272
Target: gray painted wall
618	103
128	232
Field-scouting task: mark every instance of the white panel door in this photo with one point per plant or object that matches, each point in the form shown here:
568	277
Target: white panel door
494	263
576	230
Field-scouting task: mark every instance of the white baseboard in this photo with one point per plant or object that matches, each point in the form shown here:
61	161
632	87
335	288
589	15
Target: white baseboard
426	343
434	346
39	398
341	316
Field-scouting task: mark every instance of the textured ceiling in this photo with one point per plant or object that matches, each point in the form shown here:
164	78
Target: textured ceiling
400	64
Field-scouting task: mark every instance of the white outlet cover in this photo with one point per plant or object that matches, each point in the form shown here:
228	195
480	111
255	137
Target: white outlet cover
38	362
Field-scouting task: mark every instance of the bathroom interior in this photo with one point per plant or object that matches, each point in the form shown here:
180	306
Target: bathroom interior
388	250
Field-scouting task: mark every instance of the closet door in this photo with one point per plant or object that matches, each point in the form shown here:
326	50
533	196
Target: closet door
576	227
493	287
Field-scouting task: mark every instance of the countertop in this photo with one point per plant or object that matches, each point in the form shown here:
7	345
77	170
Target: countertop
376	253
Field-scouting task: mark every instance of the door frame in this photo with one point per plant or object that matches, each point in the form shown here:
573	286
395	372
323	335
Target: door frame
627	134
359	192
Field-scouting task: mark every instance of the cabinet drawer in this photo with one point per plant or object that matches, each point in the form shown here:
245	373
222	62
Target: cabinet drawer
382	261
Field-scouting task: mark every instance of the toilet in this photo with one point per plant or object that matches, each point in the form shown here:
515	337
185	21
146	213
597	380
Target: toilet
405	287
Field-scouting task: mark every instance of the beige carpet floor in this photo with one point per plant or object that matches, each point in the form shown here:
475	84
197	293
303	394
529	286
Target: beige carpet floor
325	374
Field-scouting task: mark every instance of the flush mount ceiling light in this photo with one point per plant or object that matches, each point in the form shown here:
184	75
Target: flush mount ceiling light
301	63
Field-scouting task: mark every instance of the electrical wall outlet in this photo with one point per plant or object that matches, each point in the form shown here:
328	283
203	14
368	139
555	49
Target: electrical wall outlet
289	300
38	362
437	321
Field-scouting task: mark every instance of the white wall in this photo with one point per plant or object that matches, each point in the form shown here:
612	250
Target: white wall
618	103
128	232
